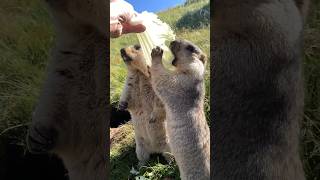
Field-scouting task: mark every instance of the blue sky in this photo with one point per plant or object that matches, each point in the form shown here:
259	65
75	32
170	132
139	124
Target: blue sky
154	5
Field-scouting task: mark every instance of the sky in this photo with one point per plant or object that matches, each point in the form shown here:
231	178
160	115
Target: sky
154	5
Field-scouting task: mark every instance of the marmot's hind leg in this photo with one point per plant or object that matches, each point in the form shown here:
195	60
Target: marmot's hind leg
142	154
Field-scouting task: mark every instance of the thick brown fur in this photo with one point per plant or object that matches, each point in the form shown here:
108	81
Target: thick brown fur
71	116
182	92
257	89
147	111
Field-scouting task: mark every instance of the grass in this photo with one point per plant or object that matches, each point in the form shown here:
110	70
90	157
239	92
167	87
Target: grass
26	36
122	154
311	122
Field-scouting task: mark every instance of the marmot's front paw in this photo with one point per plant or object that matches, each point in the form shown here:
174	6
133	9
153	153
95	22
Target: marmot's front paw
156	52
41	139
123	105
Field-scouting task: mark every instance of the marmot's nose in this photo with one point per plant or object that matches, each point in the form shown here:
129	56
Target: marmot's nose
174	45
123	51
137	46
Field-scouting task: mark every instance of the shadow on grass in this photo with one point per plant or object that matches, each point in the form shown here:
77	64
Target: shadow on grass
195	19
118	117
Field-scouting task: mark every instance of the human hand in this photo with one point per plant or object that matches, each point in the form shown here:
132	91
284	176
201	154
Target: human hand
121	14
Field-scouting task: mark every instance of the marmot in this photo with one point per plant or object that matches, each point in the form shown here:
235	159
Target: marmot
182	92
257	89
71	117
147	111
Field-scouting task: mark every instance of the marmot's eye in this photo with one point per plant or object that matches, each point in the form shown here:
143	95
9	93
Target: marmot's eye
137	47
191	48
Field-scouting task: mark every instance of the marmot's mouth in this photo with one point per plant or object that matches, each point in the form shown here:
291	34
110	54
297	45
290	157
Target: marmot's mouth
124	55
173	47
174	61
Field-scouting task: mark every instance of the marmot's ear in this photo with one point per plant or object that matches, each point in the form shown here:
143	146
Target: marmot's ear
203	58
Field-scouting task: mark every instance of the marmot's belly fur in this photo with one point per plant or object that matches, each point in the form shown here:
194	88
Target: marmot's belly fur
148	117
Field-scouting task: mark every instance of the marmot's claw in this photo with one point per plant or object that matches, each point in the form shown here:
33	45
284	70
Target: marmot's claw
123	105
168	157
156	52
40	139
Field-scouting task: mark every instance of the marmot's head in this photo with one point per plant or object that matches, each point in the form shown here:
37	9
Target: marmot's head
187	56
133	57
